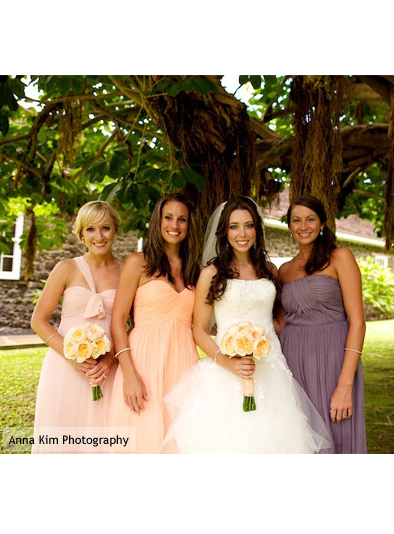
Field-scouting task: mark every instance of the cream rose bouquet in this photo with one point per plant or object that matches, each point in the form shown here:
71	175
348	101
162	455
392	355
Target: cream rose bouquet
86	341
247	340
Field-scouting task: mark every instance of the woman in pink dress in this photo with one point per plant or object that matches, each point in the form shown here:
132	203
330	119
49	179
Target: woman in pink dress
159	283
87	285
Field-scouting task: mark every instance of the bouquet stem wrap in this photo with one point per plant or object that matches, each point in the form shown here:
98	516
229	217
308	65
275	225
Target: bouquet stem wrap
249	402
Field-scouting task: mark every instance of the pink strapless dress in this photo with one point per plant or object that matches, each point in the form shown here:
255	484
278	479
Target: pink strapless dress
162	348
64	397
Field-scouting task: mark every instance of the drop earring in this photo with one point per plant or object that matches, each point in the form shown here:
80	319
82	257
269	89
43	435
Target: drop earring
255	245
321	231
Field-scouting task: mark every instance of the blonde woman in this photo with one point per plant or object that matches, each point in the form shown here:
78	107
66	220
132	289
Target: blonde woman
87	285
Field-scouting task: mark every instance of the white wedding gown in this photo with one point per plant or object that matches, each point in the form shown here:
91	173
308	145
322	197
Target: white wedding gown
206	405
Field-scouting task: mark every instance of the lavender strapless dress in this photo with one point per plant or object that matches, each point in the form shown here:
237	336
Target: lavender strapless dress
313	342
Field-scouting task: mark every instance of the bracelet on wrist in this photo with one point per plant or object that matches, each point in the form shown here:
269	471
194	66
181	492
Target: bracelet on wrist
353	350
216	356
50	337
120	352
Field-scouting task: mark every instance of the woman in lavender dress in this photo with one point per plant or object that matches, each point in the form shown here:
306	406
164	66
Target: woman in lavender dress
325	326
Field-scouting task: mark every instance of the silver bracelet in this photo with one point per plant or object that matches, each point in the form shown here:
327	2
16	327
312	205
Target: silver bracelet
353	350
120	352
50	337
216	356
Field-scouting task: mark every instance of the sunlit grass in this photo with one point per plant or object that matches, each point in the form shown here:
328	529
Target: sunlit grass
20	371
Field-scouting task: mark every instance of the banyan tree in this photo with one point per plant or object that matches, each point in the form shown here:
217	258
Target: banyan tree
130	139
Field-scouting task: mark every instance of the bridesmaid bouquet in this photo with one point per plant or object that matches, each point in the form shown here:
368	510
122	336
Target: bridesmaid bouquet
246	339
86	341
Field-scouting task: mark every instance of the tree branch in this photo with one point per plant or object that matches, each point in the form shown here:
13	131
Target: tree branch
367	194
20	163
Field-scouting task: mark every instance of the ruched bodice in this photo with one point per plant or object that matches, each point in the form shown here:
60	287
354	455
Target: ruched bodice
78	300
313	300
245	300
173	305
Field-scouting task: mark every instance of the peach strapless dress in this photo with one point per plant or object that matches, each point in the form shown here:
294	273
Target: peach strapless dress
162	349
64	397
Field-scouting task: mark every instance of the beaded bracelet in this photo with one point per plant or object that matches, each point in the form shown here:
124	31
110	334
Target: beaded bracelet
353	350
117	354
50	337
216	356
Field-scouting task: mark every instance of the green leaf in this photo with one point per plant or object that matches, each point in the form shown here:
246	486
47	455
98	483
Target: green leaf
65	85
173	89
193	177
153	175
244	78
177	180
153	193
4	124
119	166
17	87
255	80
109	191
78	84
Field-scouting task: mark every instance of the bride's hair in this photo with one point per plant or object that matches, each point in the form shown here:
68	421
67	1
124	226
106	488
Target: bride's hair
324	244
157	263
224	262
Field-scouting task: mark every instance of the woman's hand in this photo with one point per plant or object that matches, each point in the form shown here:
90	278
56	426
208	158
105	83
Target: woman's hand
134	392
240	366
341	404
84	367
98	374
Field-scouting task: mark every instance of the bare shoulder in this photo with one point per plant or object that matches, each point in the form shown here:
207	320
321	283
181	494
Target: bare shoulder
284	270
207	274
64	269
342	255
135	261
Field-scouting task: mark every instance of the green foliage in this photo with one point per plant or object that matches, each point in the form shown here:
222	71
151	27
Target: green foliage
109	144
378	285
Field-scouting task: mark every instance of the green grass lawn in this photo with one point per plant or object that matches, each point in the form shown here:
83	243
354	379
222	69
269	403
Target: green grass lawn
20	371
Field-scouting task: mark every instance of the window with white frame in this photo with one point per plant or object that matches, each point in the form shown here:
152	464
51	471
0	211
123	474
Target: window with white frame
10	264
382	260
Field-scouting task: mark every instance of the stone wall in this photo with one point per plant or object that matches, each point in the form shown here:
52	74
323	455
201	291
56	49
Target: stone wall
15	295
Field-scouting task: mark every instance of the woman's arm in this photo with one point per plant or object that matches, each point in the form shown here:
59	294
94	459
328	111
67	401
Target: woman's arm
349	277
54	288
243	367
279	315
133	388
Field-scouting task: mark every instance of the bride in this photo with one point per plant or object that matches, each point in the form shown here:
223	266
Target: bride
206	406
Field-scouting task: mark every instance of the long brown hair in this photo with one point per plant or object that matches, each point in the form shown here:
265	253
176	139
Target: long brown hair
324	244
224	262
157	263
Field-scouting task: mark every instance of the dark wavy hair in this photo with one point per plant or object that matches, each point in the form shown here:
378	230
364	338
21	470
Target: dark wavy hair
323	246
157	263
224	262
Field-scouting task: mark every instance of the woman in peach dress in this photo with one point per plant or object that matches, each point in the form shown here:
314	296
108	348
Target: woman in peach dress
87	285
159	283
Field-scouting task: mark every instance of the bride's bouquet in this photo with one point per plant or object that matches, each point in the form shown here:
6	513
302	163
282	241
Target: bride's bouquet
86	341
247	340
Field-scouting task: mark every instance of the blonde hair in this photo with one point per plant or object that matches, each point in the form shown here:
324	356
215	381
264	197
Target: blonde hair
93	212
